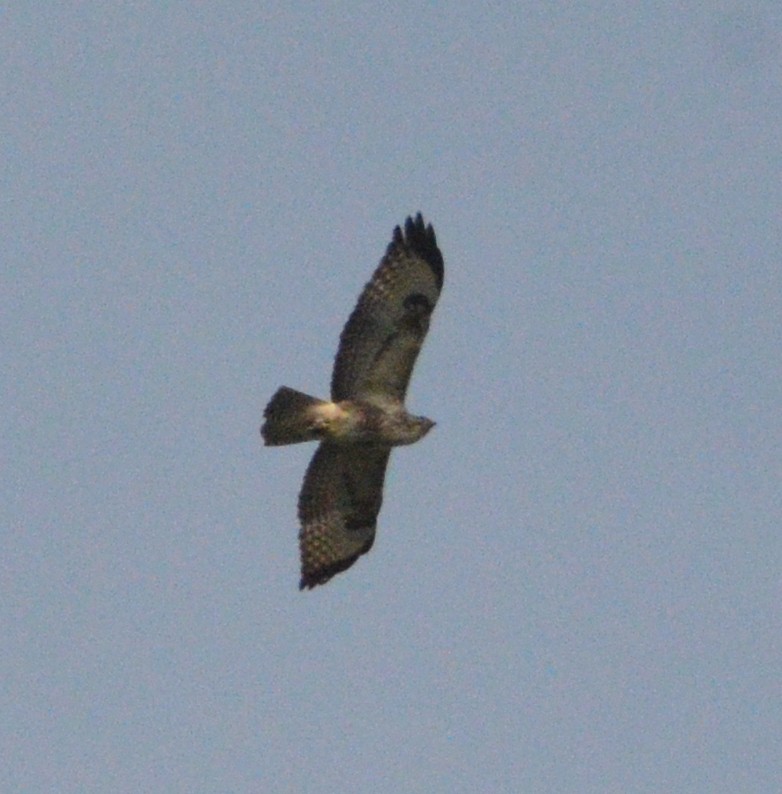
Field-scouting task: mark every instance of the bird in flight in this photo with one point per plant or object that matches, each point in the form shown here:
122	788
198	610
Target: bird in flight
366	416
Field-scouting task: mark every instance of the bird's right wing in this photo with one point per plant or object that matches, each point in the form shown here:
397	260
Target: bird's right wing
380	342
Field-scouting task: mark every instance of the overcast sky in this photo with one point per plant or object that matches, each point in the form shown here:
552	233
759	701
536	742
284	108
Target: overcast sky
576	583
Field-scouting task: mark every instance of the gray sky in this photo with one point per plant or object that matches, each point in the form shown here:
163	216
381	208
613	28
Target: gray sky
576	583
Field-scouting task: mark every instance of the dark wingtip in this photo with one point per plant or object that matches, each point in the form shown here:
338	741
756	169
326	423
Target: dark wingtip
322	575
314	576
420	238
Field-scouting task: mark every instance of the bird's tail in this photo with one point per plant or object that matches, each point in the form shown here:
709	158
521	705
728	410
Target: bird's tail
290	418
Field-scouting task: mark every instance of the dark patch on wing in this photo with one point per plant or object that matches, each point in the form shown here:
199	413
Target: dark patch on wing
387	344
418	310
418	303
365	503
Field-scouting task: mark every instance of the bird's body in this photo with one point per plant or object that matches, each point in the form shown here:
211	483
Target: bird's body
343	487
345	422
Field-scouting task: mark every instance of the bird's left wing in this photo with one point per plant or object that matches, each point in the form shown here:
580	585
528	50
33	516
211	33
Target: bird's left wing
338	507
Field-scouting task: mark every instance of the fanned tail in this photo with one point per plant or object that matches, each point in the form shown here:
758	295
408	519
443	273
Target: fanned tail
289	418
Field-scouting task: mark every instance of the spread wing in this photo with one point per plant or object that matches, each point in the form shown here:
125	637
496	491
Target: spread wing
380	343
338	507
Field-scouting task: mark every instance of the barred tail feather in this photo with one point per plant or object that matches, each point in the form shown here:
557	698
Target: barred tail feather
289	418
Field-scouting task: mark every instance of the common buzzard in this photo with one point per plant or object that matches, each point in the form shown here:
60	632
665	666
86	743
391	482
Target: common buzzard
343	487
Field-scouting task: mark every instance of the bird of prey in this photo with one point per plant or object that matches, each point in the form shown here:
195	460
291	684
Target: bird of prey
366	416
